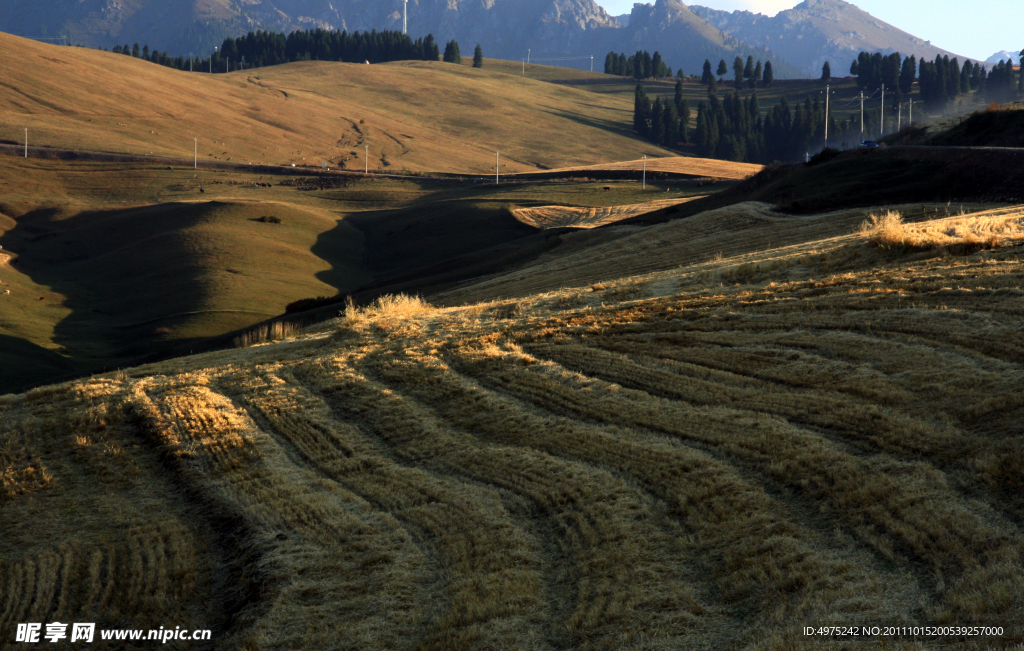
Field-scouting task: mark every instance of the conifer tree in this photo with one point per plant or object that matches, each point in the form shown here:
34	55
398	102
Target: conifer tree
451	52
707	77
657	65
769	74
723	70
135	51
758	71
145	51
609	63
908	73
117	49
478	57
127	49
683	109
737	69
748	69
826	72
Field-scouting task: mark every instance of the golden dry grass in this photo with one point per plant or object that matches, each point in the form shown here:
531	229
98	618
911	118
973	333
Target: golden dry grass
820	432
973	233
414	115
579	217
698	167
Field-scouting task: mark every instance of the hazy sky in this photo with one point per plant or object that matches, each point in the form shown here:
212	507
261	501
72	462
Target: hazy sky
972	29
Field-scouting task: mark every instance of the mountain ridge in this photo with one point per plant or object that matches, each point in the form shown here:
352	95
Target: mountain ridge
816	31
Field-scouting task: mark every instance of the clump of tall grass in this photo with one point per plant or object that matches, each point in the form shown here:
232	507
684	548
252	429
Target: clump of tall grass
965	235
386	308
266	332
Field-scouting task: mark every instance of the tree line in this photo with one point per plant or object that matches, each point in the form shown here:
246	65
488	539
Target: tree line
732	128
262	48
642	65
744	73
940	80
663	123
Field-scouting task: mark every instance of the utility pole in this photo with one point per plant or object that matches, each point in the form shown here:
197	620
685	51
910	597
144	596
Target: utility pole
591	63
899	117
496	160
911	122
195	154
26	143
826	114
862	116
405	18
366	167
644	186
881	126
527	55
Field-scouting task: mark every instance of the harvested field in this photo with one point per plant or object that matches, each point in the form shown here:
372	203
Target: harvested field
576	217
712	456
697	167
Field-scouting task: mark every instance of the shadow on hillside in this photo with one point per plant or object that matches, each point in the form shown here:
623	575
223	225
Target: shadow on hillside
125	275
606	125
26	365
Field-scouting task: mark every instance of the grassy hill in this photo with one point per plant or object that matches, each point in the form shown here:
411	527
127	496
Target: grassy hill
112	263
821	425
413	115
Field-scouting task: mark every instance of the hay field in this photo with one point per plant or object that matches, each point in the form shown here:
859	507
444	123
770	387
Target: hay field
712	456
414	115
696	167
579	217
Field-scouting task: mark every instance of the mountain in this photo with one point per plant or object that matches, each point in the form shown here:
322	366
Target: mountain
506	28
816	31
1003	55
685	39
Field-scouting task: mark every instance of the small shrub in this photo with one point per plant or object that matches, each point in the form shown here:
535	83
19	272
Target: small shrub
270	219
266	332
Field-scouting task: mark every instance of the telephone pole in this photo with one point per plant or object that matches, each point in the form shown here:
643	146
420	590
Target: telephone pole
644	186
862	116
496	161
195	154
911	121
366	161
826	114
899	117
26	143
881	127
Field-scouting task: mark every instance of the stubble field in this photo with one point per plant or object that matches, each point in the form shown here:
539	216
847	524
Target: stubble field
711	456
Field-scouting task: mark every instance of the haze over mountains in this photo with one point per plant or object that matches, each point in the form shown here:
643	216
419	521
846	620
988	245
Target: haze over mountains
798	40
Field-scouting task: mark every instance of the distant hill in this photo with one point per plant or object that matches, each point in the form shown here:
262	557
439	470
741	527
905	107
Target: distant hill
816	31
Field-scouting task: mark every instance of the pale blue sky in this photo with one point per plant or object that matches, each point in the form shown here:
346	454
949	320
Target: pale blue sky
972	29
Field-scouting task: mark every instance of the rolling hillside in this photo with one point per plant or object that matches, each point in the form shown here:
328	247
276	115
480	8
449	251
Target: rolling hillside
414	116
804	432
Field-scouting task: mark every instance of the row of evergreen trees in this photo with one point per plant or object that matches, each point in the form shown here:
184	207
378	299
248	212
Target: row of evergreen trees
747	73
941	81
261	48
663	123
642	65
732	128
